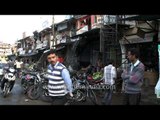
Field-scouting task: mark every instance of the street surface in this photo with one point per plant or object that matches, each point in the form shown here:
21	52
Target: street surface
17	97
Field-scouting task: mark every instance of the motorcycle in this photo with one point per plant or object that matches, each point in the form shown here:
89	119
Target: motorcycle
39	89
27	80
8	81
81	89
1	71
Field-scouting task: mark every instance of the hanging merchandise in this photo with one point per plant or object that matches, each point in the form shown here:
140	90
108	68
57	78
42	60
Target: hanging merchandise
157	88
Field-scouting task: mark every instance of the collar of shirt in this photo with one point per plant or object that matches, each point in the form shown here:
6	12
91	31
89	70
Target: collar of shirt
56	64
136	63
110	65
53	67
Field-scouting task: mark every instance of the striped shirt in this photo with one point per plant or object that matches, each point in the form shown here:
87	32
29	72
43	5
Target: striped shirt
57	86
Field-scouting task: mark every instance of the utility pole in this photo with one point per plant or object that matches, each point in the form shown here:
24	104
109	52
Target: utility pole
116	39
53	40
102	50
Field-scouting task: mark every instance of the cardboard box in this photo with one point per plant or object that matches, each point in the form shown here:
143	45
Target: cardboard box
152	77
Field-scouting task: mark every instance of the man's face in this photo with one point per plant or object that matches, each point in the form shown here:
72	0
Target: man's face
52	58
130	57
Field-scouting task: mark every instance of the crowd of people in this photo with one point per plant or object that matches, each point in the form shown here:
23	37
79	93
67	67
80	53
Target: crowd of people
60	83
132	78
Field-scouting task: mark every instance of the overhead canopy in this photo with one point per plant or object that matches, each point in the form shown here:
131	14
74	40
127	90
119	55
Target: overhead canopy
28	55
62	44
143	17
88	33
91	32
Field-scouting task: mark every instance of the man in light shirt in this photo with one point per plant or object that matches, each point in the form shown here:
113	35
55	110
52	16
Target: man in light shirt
109	80
18	65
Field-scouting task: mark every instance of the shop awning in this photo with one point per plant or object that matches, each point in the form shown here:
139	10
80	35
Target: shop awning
62	44
136	39
60	48
11	55
28	55
42	49
143	17
92	31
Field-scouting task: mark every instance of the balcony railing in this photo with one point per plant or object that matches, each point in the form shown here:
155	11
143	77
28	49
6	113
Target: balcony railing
111	19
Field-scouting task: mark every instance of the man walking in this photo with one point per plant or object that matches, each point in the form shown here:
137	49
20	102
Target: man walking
59	84
109	80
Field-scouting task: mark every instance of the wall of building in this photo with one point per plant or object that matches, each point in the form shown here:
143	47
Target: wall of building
81	22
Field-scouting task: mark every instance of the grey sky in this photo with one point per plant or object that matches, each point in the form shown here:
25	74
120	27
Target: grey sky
13	26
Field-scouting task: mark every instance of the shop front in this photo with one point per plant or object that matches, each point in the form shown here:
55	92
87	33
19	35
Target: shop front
148	54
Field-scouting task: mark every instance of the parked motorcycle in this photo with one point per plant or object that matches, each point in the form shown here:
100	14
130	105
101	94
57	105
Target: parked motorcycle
39	88
81	89
1	71
8	81
27	80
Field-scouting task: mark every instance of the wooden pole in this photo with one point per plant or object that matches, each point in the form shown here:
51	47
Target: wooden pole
53	40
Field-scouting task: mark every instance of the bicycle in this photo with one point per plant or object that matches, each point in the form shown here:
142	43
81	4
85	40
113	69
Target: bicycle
81	90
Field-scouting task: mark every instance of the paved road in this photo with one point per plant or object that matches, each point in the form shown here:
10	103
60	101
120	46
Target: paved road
18	98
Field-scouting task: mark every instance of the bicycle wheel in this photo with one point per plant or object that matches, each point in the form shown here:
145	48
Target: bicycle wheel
79	96
92	96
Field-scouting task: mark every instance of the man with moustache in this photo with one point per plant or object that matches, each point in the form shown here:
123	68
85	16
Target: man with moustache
133	78
59	84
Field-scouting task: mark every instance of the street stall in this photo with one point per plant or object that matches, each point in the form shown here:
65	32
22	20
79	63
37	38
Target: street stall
149	57
157	87
144	37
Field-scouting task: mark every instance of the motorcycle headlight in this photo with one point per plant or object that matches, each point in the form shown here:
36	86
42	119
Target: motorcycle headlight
11	70
14	77
6	76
